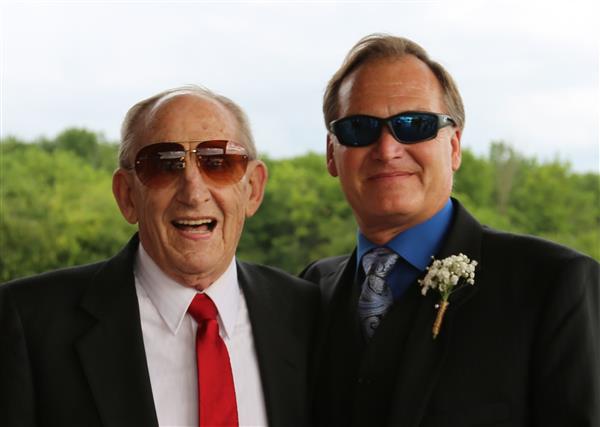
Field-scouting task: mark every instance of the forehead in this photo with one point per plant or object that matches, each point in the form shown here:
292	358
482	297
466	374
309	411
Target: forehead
188	117
389	86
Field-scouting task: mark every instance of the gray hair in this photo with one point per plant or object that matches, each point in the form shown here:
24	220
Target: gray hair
131	123
384	46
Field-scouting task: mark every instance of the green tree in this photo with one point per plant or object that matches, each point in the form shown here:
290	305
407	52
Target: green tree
55	211
89	146
303	216
475	178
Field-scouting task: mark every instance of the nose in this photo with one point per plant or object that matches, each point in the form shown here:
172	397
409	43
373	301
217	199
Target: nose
387	147
193	188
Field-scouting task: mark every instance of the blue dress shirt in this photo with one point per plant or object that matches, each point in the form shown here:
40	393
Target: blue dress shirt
415	246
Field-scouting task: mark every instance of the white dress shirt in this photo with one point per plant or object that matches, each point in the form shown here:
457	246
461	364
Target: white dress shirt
170	343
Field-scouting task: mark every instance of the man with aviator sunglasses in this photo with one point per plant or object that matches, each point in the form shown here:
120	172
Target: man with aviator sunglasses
173	330
517	347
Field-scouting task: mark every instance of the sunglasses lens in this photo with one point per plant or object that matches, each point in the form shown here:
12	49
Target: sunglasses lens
222	162
414	127
157	165
357	131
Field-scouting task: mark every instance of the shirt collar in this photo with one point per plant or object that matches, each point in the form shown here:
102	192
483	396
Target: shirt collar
417	244
172	299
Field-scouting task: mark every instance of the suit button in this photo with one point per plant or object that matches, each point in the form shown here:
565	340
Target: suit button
360	380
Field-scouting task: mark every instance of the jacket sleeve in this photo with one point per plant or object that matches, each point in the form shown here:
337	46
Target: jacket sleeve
566	359
17	408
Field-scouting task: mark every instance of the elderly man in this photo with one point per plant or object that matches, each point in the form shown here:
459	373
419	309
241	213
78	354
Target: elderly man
504	332
173	330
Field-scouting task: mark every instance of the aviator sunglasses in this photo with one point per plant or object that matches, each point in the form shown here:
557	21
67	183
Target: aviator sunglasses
220	162
409	127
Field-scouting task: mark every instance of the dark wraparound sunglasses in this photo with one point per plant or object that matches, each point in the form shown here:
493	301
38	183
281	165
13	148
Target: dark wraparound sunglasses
409	127
221	162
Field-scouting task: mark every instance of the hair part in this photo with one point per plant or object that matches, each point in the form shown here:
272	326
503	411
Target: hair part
134	120
374	47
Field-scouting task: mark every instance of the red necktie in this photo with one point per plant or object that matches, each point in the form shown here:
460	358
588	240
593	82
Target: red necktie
216	394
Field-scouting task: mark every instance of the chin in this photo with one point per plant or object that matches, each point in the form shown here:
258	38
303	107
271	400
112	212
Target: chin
190	272
400	205
192	263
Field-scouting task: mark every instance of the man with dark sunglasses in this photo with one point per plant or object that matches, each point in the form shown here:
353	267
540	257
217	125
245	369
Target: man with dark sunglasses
504	329
173	330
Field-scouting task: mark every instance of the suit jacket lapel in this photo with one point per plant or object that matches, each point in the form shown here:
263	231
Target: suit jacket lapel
339	278
421	365
334	302
340	343
112	352
276	351
332	291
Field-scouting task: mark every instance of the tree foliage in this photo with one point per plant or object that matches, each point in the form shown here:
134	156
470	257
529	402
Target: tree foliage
303	216
57	208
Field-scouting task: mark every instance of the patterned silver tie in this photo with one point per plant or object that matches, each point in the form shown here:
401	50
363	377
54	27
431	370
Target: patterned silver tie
376	296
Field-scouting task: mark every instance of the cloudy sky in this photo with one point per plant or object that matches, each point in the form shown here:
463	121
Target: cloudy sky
528	70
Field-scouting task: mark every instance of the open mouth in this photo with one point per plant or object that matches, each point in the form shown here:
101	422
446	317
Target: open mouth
205	225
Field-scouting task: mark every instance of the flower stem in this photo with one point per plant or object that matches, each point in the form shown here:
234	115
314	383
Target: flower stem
440	316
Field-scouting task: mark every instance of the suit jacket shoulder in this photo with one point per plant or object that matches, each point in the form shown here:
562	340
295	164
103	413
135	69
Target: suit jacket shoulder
51	290
65	285
327	272
539	268
72	350
529	247
323	267
277	280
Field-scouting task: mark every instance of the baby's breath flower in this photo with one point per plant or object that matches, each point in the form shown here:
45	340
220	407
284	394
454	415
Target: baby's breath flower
447	275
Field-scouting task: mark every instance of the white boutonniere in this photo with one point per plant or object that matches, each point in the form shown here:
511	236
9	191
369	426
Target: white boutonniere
447	276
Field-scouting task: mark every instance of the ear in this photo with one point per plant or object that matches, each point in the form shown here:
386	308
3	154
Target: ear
122	186
257	180
331	167
456	154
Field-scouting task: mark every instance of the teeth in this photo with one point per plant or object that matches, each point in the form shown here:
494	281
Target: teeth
195	222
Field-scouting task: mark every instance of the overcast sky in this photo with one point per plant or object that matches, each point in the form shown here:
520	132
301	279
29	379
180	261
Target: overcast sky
528	70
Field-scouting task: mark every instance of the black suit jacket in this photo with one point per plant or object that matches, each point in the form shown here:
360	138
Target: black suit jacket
71	349
519	348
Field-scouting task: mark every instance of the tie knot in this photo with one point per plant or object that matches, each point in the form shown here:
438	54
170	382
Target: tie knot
379	262
202	308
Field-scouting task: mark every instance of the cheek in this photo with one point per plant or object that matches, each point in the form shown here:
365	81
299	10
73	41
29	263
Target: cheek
350	161
439	166
436	158
151	207
232	203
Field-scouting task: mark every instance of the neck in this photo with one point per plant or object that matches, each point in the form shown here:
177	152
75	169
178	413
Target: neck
381	230
380	236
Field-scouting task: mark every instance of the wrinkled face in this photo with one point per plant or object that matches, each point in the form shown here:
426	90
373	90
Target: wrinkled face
191	227
393	186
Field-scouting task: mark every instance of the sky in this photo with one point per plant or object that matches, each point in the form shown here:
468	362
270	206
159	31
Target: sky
528	71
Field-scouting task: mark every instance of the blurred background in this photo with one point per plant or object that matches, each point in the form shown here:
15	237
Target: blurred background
528	72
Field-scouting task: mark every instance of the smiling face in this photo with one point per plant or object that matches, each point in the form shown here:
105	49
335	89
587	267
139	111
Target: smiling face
191	227
393	186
